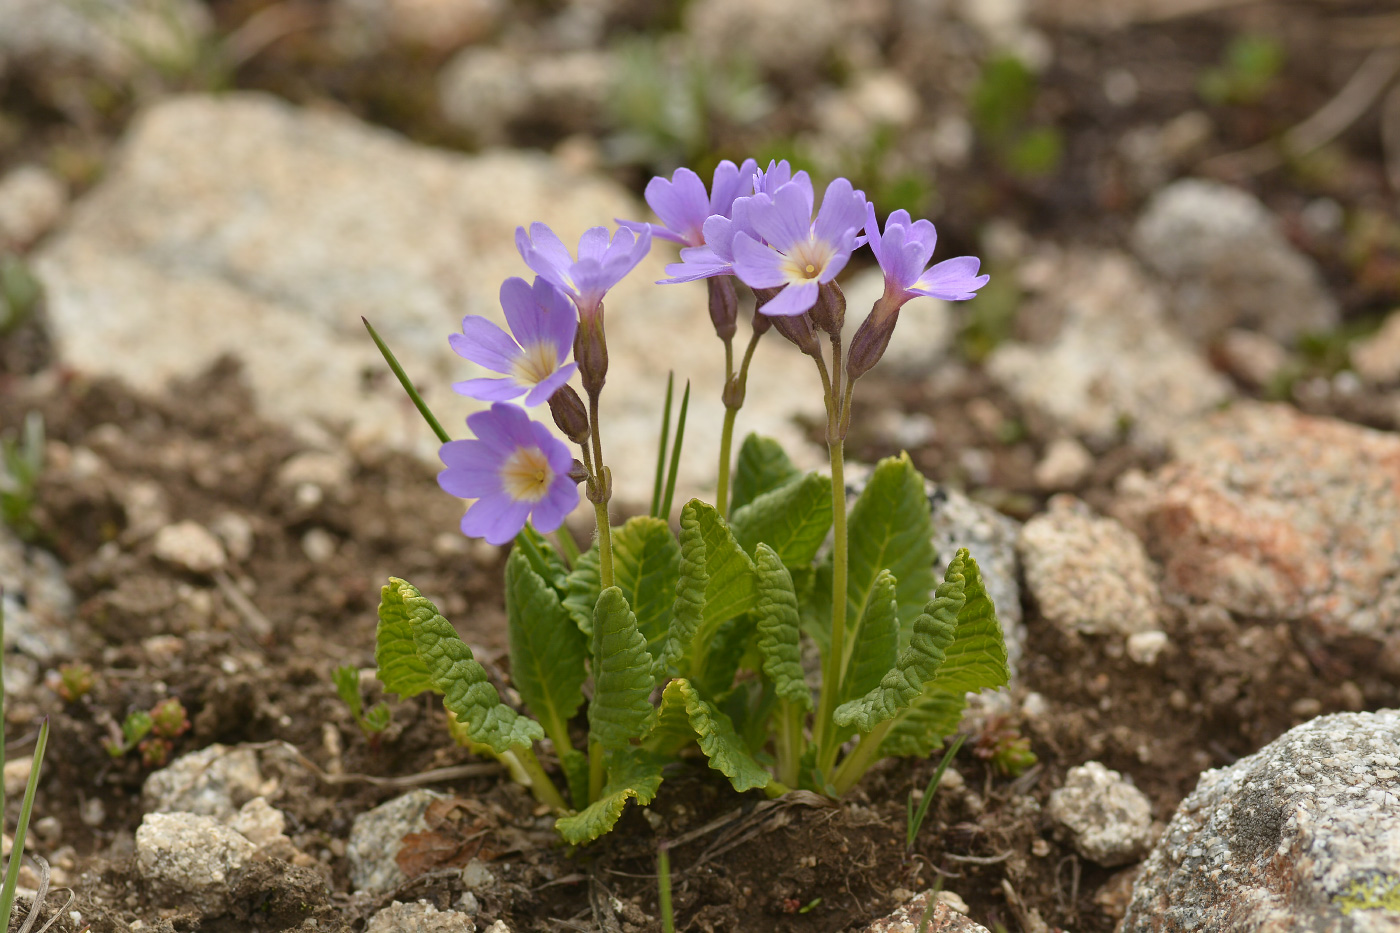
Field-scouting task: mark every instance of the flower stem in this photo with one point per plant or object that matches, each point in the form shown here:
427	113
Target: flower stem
866	752
726	439
597	771
735	388
789	742
540	784
600	505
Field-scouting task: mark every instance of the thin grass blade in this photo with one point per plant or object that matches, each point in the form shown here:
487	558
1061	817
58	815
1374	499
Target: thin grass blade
407	384
663	889
676	453
917	820
7	893
661	448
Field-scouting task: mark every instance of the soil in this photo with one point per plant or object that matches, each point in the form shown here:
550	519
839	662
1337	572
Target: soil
252	654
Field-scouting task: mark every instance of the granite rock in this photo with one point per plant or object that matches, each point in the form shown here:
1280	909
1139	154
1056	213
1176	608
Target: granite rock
1302	835
1088	574
1108	820
419	917
189	860
32	199
214	781
1229	265
1377	357
39	606
941	919
376	836
489	91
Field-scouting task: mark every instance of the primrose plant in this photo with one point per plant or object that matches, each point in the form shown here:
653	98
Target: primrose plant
696	638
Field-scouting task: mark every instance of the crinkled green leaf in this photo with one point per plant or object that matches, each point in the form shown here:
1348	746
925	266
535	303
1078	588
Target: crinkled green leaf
779	641
467	692
974	660
575	765
716	584
918	664
793	519
622	674
762	467
646	564
395	652
716	734
890	529
876	646
715	669
633	774
547	651
544	559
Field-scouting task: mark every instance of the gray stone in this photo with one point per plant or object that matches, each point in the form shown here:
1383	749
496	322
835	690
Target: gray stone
780	35
1064	466
376	837
39	606
488	90
1088	574
1302	835
1109	821
1274	514
1251	357
990	537
941	919
1229	264
1114	366
243	224
191	546
419	917
214	781
31	201
442	25
1377	357
190	860
114	37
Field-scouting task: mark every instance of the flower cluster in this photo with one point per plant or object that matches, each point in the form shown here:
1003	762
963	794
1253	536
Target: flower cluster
759	226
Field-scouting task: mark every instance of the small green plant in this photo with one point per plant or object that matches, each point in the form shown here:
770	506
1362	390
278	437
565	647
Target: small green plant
20	292
1246	72
21	465
151	732
75	681
914	816
26	809
372	722
1003	747
1001	108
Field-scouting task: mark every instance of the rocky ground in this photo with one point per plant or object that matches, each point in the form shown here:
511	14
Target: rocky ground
1166	429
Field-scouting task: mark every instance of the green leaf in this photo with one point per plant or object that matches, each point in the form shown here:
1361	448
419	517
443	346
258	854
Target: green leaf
575	765
547	651
467	692
716	734
400	668
716	584
544	559
793	519
347	687
974	660
779	642
762	467
633	774
377	717
646	565
918	664
876	647
890	529
714	671
622	674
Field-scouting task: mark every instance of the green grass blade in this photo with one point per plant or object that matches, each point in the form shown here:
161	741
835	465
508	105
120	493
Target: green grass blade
676	453
663	889
7	894
661	448
916	821
407	384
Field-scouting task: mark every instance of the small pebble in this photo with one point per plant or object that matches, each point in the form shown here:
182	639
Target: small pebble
1145	647
954	901
190	545
319	545
1065	465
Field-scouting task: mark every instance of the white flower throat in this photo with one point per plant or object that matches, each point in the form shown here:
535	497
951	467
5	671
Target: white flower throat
526	474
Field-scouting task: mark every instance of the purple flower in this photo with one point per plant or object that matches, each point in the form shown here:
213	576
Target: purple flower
683	205
768	181
601	264
795	253
515	470
903	252
542	324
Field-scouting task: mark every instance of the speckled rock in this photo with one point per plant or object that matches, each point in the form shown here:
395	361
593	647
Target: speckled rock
190	860
31	201
242	224
1228	263
1109	821
39	606
1275	514
1065	465
419	917
377	835
942	919
990	537
1114	365
488	91
214	781
191	546
1377	357
1302	835
1088	574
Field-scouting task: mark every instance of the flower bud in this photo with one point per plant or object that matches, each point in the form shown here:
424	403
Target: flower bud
591	352
829	313
798	329
569	414
871	339
577	472
724	305
734	391
600	488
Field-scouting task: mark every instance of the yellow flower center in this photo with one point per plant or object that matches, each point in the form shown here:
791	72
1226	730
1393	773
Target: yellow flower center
806	261
526	474
536	364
